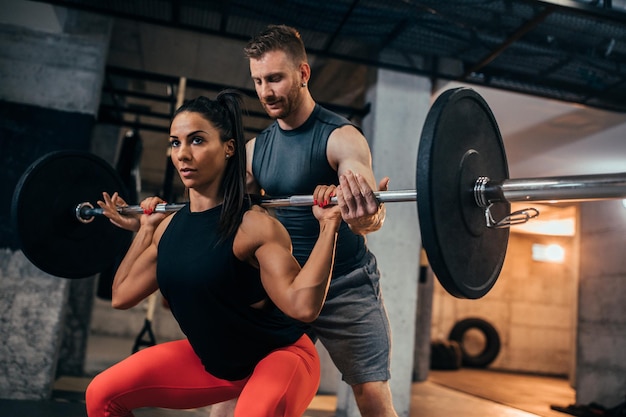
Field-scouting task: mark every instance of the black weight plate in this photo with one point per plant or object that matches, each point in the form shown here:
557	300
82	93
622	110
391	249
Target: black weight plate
460	142
43	212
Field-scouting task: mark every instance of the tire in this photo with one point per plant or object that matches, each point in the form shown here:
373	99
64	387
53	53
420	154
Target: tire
445	355
491	346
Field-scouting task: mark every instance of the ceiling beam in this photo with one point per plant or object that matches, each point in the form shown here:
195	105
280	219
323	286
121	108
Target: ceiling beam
521	31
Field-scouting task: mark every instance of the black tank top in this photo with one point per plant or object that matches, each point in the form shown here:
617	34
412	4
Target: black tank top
294	162
210	292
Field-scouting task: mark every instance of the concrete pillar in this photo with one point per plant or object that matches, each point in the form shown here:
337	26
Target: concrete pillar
423	321
32	307
395	96
52	64
601	339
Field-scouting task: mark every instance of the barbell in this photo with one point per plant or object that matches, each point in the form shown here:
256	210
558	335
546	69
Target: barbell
463	194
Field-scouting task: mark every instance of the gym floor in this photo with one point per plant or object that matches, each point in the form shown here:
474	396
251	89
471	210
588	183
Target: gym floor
465	392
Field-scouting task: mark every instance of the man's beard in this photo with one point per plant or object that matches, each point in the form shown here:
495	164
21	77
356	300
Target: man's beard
277	114
288	104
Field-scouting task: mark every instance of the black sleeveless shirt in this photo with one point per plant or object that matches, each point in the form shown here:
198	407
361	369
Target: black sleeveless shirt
210	292
294	162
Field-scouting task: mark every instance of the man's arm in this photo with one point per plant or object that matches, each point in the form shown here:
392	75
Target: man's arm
252	187
349	153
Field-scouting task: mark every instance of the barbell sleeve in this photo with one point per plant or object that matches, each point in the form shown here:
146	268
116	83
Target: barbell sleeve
573	188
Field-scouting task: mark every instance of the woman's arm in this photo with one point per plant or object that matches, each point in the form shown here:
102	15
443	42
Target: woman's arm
298	292
135	278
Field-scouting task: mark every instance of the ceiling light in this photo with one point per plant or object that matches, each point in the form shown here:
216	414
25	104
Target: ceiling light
548	253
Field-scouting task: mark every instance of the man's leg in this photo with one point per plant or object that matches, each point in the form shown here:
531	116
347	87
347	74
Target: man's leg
374	399
353	326
225	409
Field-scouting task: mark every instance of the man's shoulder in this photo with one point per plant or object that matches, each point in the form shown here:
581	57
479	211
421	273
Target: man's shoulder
271	128
335	121
329	116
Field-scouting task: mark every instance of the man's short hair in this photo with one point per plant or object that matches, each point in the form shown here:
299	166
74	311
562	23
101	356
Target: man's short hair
277	38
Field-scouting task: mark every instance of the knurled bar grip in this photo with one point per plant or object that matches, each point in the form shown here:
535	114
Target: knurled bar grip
86	211
307	200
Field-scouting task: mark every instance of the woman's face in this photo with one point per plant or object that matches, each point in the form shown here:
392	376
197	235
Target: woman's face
198	153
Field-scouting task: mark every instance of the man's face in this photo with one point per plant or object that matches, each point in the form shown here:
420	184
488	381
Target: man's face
277	82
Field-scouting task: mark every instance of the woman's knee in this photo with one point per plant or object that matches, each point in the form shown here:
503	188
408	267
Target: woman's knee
99	399
95	398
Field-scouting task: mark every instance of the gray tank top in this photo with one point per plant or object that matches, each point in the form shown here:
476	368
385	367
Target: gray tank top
294	162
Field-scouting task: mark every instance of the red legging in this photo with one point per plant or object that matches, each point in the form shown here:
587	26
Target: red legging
170	375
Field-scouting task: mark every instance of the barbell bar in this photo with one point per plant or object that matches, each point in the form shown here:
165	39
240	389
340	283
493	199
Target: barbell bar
85	211
486	193
463	197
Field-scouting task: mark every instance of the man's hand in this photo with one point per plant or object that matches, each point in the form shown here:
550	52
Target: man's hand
360	208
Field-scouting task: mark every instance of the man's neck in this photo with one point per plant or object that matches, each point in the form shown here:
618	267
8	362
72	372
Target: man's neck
298	117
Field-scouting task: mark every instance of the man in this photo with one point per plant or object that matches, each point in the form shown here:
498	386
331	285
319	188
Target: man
308	145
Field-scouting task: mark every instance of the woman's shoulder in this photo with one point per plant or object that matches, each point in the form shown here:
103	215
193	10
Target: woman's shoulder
258	217
258	222
258	228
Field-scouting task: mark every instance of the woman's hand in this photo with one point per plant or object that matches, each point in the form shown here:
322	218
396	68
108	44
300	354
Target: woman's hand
109	209
323	210
150	217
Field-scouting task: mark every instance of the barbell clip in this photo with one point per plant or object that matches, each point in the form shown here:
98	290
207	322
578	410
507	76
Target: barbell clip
517	217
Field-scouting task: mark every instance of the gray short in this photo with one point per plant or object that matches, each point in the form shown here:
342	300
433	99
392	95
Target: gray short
353	326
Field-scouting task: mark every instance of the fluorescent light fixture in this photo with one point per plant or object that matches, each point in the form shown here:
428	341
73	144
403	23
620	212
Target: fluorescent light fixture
548	253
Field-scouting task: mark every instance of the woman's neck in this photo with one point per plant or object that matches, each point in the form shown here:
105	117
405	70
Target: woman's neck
202	202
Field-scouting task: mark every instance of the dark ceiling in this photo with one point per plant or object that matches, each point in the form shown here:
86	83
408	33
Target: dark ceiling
572	51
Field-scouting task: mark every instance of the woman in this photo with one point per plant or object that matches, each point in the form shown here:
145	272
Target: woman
226	270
